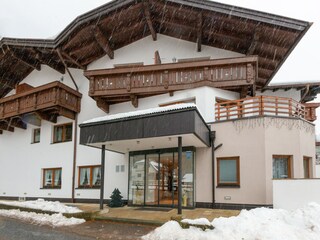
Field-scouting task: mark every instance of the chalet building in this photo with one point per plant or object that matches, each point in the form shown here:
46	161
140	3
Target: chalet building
168	100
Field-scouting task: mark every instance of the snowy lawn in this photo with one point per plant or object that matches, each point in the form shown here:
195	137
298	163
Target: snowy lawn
56	220
256	224
41	204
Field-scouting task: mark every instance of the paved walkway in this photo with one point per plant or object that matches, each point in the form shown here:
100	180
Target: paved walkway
154	215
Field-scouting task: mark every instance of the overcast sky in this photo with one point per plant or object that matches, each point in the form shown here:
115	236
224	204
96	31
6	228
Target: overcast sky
46	18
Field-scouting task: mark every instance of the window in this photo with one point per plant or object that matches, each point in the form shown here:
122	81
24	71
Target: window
62	133
228	171
306	167
89	177
281	166
36	135
52	178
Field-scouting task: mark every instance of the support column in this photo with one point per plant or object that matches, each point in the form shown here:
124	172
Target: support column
179	175
103	158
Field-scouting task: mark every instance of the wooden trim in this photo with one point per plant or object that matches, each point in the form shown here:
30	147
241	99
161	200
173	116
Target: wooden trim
309	164
64	128
237	184
34	135
91	167
289	162
52	177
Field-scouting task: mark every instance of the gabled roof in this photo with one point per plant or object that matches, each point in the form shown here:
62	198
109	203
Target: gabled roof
121	22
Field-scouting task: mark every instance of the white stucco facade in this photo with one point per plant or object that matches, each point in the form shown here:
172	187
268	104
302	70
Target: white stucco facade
22	162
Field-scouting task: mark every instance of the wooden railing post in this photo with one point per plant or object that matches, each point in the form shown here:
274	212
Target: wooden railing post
218	109
277	107
290	107
261	110
35	100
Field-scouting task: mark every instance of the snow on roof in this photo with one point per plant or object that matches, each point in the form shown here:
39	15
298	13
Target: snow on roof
141	112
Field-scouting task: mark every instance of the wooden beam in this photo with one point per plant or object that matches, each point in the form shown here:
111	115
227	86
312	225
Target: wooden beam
74	61
67	113
6	127
147	15
4	83
157	59
49	62
244	92
1	132
33	64
254	43
50	117
103	42
199	32
103	104
18	123
134	100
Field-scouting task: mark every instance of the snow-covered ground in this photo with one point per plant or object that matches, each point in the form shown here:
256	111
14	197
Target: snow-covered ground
43	205
256	224
56	220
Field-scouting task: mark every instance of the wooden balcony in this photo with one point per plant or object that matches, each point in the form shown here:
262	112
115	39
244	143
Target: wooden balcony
46	102
260	106
131	82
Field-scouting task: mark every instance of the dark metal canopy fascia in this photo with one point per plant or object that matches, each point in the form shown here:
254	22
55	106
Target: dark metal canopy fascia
174	122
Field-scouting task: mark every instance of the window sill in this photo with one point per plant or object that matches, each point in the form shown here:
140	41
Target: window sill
35	142
61	142
228	186
50	188
88	188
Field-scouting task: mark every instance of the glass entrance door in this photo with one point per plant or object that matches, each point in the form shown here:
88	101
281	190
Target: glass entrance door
167	184
153	178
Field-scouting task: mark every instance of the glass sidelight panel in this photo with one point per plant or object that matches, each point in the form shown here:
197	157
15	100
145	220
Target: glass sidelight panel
136	181
152	179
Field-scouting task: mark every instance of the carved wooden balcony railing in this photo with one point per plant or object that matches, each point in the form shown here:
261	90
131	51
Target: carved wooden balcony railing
260	106
122	84
46	102
311	111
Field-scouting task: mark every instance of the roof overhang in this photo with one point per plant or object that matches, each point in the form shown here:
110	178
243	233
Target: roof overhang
105	29
147	131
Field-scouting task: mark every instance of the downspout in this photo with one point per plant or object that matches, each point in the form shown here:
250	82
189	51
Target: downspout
75	136
213	138
213	149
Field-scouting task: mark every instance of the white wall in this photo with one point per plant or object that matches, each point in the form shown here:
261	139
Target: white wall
293	194
168	47
292	93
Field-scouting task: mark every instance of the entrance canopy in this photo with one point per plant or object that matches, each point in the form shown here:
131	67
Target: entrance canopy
147	129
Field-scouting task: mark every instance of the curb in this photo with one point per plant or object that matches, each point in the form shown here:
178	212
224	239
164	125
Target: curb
129	220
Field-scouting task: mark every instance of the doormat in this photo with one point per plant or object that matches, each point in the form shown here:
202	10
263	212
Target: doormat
154	209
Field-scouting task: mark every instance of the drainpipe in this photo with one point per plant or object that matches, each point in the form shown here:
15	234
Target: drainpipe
75	136
213	138
213	149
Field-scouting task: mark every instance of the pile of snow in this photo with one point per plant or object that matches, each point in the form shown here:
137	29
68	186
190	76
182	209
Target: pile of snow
259	223
56	220
43	205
